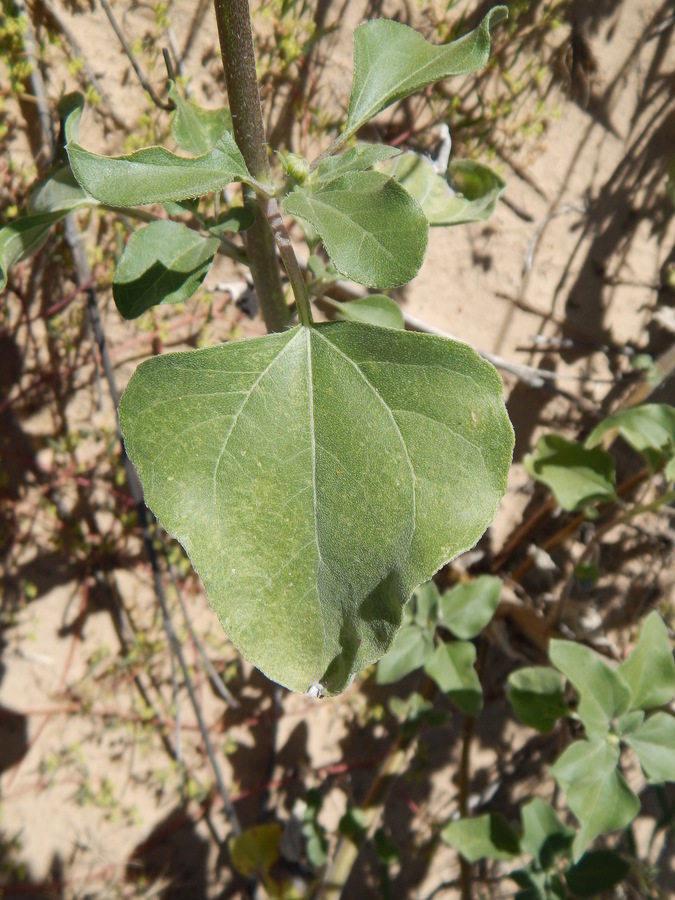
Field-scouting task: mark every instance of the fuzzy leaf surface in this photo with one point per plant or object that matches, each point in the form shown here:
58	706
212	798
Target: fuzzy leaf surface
603	693
392	61
195	129
373	230
315	478
375	309
468	193
154	175
165	262
356	159
650	669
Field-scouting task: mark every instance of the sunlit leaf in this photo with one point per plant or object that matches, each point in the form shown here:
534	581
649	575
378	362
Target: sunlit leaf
649	429
165	262
274	460
373	230
392	61
603	693
466	609
255	851
23	237
468	192
597	793
452	668
576	475
356	159
650	669
482	837
154	175
544	835
195	129
412	647
654	743
375	309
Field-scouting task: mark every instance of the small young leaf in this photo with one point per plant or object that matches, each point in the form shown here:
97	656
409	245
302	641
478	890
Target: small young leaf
544	835
375	309
650	669
468	193
23	237
357	159
195	129
70	109
649	429
597	793
392	61
596	872
374	456
537	695
483	837
466	609
373	230
576	476
412	647
255	851
654	743
154	175
425	604
452	668
165	262
603	693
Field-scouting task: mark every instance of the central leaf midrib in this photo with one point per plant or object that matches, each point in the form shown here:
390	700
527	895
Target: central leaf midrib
336	213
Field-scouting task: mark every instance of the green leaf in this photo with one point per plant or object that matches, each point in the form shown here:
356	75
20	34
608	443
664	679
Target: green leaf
23	237
466	609
392	61
357	159
70	109
649	429
576	476
596	872
154	175
597	793
373	230
60	193
534	885
375	309
195	129
232	221
165	262
483	837
315	478
424	605
255	851
650	669
544	836
468	193
654	743
537	695
412	647
452	668
603	693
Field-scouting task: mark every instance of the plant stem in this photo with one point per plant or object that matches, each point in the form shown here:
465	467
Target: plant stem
233	18
290	261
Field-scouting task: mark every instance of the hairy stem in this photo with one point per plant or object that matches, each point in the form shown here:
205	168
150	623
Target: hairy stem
236	44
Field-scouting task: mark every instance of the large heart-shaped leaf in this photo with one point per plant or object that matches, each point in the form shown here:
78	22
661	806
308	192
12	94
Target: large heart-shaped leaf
165	262
392	61
315	478
373	230
154	175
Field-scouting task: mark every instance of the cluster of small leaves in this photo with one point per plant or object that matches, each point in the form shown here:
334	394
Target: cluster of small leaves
580	475
463	611
545	843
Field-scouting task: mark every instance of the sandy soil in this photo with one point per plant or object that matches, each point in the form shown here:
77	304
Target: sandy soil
93	804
